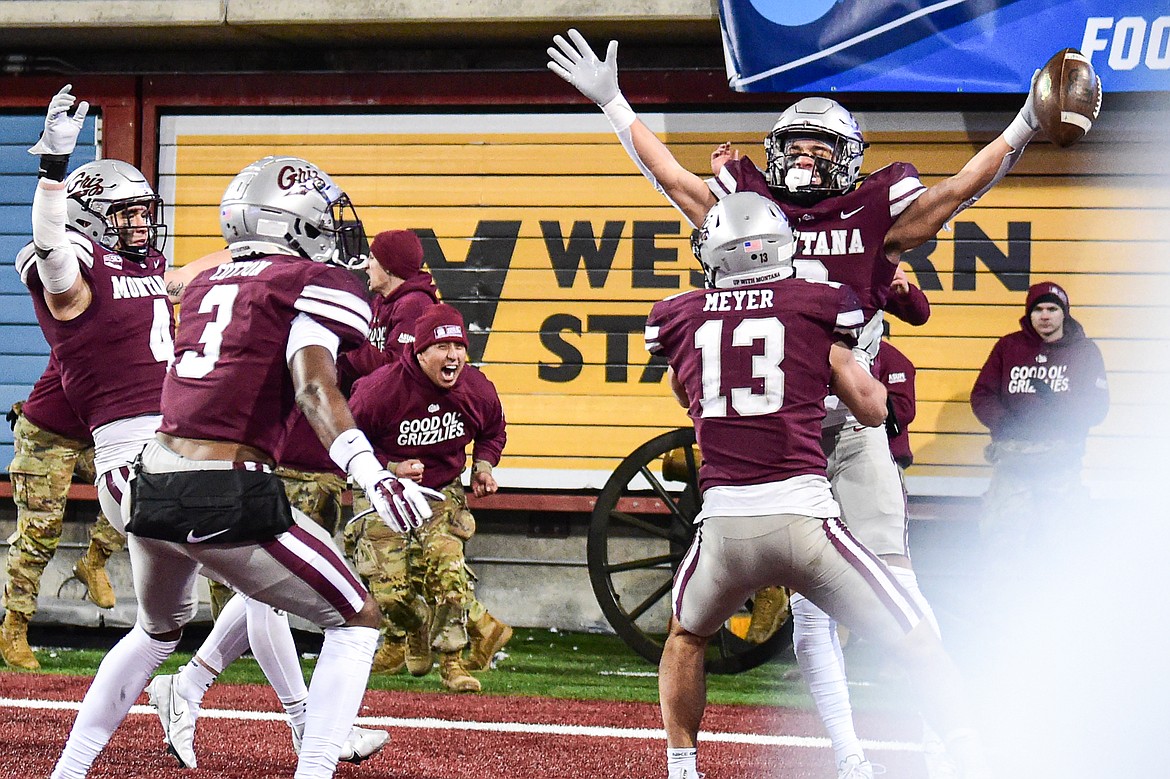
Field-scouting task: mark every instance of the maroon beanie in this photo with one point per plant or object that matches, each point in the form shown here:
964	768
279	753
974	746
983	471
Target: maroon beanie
398	251
1046	292
437	324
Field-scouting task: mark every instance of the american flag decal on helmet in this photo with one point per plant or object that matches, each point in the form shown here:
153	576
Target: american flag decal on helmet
753	245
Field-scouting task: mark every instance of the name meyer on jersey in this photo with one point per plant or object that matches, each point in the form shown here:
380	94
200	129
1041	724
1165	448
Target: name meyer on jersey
138	287
430	430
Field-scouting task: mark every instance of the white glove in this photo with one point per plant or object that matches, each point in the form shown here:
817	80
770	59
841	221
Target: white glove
1026	124
61	129
576	63
400	503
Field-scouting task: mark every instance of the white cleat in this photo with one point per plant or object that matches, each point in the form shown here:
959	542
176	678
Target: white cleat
855	767
175	715
360	744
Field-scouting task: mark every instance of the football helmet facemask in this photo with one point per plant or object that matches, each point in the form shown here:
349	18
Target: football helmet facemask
111	202
287	205
820	119
745	239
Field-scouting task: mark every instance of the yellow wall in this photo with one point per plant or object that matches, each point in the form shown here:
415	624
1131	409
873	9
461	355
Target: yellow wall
1091	215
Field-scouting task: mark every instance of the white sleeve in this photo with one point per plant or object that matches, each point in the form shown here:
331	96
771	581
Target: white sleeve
307	332
57	263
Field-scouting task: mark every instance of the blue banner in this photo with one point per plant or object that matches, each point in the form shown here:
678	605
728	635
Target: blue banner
981	46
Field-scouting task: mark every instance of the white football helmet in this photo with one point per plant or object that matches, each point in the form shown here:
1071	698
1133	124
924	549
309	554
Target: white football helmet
288	205
821	119
745	239
97	191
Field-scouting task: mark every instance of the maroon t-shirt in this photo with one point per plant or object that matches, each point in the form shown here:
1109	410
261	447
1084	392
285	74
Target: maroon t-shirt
845	235
896	372
755	365
114	355
230	379
49	409
406	416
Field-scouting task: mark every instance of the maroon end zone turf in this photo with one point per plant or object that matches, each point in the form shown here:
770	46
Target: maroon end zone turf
242	749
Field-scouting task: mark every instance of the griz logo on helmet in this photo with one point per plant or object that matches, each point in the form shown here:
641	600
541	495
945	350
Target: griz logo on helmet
289	177
87	185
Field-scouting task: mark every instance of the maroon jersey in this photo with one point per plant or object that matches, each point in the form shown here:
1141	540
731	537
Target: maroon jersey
301	449
406	416
896	372
48	408
392	328
913	308
114	355
840	238
755	365
230	380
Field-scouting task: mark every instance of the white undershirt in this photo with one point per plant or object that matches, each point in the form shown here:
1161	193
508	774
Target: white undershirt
117	443
808	495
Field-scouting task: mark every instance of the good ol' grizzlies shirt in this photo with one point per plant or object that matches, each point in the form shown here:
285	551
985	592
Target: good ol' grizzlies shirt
407	417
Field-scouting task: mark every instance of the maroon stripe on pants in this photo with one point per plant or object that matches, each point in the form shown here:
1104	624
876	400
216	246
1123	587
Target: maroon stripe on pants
683	576
834	526
311	576
112	486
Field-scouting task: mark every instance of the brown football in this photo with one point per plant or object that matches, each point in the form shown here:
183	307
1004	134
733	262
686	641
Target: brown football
1067	97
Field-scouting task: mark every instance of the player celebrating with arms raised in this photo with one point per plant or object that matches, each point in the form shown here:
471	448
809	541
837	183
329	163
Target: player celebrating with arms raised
751	359
849	233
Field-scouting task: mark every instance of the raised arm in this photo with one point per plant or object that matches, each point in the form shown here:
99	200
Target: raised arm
923	218
573	60
66	291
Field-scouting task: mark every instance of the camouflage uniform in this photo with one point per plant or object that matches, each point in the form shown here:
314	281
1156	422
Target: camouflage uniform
425	567
42	470
317	495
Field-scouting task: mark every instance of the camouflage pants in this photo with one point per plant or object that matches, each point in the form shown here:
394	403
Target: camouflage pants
417	575
317	495
42	470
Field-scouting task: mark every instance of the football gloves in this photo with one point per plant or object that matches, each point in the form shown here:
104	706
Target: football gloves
1026	123
61	129
576	63
400	503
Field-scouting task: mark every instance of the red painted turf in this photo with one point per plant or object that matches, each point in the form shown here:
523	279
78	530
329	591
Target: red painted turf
229	749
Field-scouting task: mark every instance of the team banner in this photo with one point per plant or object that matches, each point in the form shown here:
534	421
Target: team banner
946	46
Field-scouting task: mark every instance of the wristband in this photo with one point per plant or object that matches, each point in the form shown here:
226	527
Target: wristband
53	166
352	453
481	466
619	113
1019	132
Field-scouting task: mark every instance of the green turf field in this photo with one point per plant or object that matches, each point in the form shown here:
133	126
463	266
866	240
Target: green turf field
564	665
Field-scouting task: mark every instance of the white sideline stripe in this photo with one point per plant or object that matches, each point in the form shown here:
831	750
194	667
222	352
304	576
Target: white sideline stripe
428	723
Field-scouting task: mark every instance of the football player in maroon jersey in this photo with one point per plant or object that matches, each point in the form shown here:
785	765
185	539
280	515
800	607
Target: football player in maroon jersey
846	232
752	358
259	336
100	287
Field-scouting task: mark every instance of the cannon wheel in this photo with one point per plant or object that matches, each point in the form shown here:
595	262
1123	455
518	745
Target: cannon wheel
642	525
